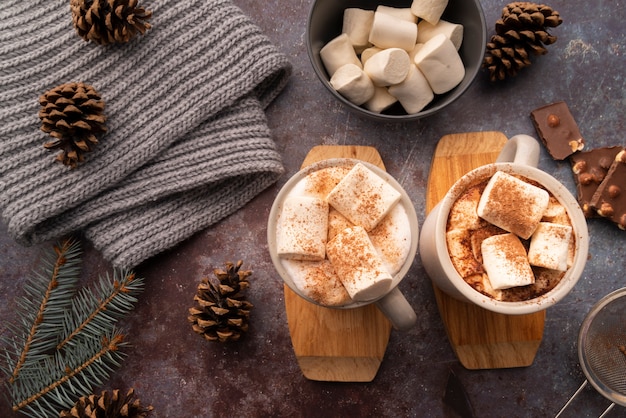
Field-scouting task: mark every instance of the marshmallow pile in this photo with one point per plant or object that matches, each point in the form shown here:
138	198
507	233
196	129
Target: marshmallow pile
505	235
389	55
342	234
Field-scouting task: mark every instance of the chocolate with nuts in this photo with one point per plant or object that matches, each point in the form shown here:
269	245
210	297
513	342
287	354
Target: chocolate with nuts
590	168
609	200
558	130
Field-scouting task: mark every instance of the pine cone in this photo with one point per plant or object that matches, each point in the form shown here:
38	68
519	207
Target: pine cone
73	114
109	21
108	405
520	33
222	312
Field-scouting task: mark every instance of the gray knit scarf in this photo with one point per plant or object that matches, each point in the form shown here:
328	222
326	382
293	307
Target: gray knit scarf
187	142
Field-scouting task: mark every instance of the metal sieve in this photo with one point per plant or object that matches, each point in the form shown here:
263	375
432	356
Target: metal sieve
602	349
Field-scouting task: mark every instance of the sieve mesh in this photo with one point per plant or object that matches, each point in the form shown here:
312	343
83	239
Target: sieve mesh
601	340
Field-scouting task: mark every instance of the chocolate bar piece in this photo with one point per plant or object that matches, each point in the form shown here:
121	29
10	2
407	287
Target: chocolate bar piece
610	198
558	130
590	168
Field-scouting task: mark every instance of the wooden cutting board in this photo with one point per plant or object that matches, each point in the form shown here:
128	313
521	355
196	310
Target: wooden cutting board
337	345
480	338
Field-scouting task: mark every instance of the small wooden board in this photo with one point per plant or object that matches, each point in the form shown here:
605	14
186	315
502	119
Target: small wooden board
480	338
337	345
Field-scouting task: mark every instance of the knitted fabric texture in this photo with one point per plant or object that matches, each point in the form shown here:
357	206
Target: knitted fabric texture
187	142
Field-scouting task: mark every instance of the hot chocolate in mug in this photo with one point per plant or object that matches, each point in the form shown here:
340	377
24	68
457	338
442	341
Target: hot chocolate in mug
519	157
390	300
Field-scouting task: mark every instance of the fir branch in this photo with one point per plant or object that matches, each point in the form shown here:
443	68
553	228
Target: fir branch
69	376
48	295
91	312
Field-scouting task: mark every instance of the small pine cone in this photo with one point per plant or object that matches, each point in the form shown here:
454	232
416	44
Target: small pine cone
108	405
109	21
73	114
520	33
222	311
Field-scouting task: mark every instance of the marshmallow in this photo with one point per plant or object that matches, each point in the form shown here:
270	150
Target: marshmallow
353	83
414	93
413	52
461	254
357	24
318	281
441	64
429	10
363	197
337	53
481	283
358	265
463	212
512	204
392	32
549	246
380	101
301	231
403	13
392	238
506	262
336	223
389	66
368	53
452	31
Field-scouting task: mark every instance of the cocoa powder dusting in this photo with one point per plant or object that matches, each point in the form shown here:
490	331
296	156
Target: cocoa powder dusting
545	279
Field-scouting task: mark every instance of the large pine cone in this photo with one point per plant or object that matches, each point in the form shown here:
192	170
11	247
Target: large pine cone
108	405
73	114
222	312
520	33
109	21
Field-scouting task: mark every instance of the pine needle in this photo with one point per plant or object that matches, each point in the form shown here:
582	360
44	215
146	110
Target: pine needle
65	342
93	311
48	294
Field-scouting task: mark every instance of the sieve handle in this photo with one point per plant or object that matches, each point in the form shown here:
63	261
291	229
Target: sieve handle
571	399
606	411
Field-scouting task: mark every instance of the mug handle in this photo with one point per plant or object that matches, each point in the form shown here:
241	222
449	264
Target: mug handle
397	309
520	149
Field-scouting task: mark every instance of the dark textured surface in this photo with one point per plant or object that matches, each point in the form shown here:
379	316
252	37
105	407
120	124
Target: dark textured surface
183	376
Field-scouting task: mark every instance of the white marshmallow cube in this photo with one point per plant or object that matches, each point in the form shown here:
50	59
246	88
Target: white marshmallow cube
512	204
441	64
389	66
363	197
461	255
549	246
452	31
318	281
358	265
357	24
414	93
392	32
506	262
429	10
302	228
353	83
403	13
380	101
337	53
368	53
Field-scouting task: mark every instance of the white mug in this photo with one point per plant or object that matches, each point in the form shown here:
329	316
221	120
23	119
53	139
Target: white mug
392	303
520	155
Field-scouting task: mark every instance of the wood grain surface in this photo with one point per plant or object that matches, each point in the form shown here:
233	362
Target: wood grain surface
480	338
337	345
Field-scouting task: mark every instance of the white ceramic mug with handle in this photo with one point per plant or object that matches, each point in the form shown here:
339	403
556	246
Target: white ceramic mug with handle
519	156
392	303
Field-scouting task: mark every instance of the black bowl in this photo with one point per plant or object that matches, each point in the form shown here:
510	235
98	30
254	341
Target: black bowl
325	23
